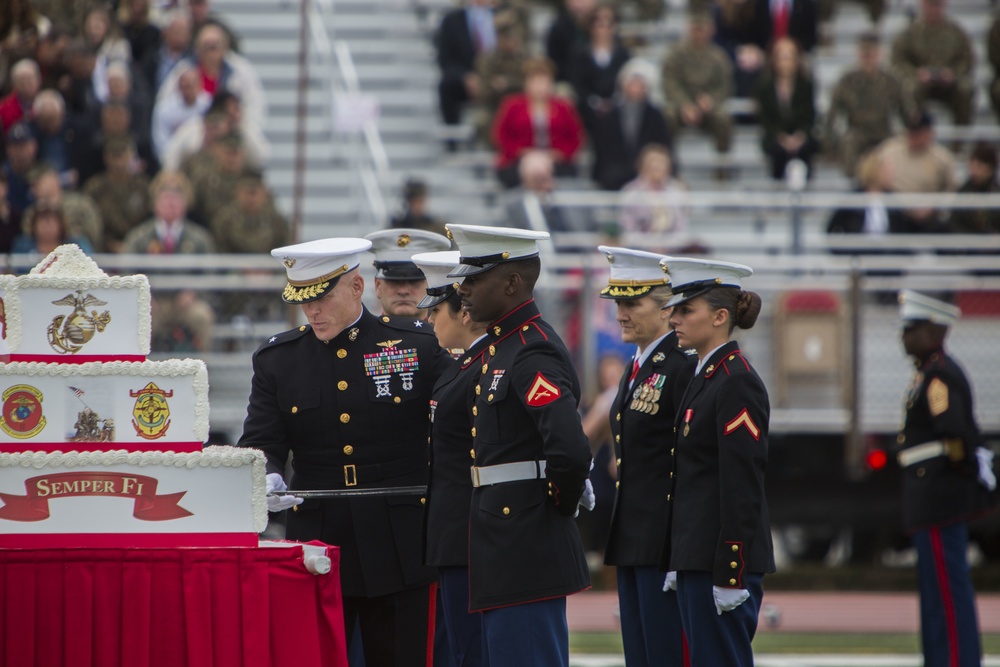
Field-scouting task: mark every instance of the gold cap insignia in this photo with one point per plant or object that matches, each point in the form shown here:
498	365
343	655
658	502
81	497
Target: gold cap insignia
447	232
455	285
289	262
505	254
403	240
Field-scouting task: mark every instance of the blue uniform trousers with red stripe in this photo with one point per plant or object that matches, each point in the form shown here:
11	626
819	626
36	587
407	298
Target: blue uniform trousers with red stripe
464	628
949	629
717	640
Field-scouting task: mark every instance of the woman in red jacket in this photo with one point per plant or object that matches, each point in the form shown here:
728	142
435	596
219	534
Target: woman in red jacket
536	119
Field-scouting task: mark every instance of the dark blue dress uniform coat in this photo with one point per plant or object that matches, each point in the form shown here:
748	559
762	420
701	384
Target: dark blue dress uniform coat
524	545
939	406
719	520
449	494
642	427
353	412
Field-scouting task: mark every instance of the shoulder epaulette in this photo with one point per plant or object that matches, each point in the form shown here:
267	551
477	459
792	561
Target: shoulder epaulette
414	324
731	363
285	337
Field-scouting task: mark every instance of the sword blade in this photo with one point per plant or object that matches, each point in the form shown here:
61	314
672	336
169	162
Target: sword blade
354	493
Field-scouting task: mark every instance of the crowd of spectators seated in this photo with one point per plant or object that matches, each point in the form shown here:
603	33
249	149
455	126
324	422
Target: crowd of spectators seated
739	62
132	129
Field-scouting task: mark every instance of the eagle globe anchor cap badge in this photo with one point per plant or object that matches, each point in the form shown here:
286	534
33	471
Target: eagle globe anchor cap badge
313	268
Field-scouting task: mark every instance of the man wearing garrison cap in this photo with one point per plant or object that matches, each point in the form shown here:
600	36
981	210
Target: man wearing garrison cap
947	478
347	395
399	283
530	458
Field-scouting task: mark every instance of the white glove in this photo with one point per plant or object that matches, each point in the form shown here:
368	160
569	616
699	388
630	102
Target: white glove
278	503
670	581
727	599
588	500
986	475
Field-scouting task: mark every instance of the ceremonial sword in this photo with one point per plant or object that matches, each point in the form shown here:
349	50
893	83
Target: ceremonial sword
354	493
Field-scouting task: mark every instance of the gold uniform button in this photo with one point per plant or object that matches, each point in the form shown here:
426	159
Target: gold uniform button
490	397
479	390
618	485
486	367
506	511
618	417
493	350
732	582
671	475
496	331
295	508
341	353
473	431
396	399
342	385
900	438
295	409
736	547
675	429
618	462
618	438
671	451
472	453
921	472
669	497
525	328
344	418
302	328
550	493
731	357
348	450
475	411
732	565
385	319
423	501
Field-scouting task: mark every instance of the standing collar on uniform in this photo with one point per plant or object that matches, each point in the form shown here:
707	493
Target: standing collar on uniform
715	358
516	318
476	350
650	349
930	358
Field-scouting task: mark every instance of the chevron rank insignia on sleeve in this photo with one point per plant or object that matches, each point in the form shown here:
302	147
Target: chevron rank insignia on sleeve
542	392
742	419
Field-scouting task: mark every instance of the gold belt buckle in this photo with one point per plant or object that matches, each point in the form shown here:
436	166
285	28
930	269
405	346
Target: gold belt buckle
350	475
475	476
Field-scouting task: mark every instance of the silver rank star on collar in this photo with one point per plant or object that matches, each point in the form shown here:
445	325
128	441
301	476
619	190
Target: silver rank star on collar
418	323
272	339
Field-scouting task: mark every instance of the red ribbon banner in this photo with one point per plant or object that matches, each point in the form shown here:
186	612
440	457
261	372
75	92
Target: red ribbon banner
40	490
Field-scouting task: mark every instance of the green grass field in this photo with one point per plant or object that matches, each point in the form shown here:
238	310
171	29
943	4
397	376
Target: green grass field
789	642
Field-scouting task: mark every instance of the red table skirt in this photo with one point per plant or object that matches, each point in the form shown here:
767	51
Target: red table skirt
200	607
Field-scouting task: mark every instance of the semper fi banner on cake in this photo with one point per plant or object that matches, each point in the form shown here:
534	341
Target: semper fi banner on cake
132	406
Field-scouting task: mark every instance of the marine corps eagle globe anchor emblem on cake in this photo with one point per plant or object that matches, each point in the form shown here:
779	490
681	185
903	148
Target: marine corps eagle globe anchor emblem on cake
68	334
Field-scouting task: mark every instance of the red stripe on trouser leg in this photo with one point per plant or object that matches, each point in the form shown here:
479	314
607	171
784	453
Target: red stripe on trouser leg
687	653
941	568
431	622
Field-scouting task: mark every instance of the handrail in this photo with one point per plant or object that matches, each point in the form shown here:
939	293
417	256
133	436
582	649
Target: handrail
373	169
785	199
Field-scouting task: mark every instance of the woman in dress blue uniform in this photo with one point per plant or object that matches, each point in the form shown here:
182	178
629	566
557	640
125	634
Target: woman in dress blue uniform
642	420
449	494
947	473
718	544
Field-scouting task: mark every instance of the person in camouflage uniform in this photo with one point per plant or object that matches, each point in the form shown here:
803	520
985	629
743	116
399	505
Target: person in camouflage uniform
121	193
500	72
983	181
697	80
82	216
863	106
933	58
993	52
216	187
250	224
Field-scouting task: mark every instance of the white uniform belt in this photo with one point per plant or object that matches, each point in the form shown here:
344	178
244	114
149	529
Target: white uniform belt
922	452
507	472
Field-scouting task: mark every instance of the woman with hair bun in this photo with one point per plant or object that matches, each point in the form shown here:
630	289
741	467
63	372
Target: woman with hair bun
718	544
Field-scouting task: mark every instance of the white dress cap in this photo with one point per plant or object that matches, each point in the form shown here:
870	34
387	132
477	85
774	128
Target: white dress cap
482	248
914	306
633	272
313	267
394	248
691	277
436	266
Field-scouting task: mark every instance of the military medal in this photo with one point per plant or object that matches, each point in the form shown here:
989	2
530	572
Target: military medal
688	414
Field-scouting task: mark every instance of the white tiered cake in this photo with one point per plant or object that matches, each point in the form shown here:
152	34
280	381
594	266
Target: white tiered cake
99	447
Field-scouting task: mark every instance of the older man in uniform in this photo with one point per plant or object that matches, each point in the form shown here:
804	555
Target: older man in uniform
530	456
399	284
347	395
947	472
